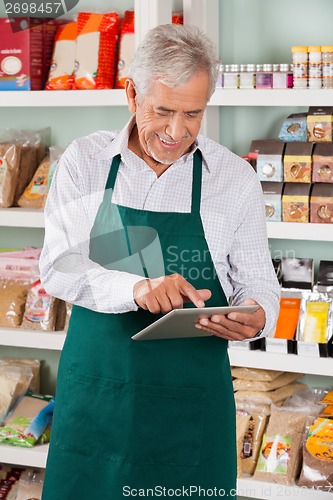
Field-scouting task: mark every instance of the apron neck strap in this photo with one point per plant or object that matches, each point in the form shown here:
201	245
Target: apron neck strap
196	183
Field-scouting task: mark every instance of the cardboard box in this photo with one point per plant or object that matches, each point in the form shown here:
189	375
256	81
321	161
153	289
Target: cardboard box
322	158
272	192
296	202
270	161
297	162
321	203
21	54
319	124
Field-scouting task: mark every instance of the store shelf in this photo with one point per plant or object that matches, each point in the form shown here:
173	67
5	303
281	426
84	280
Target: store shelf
16	337
267	491
286	362
33	457
21	217
59	98
300	231
272	97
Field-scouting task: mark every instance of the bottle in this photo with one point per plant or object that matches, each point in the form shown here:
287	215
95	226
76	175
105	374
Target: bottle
230	79
264	78
315	67
247	76
300	66
327	58
282	79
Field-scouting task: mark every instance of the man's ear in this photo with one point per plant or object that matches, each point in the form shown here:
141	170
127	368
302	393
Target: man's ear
130	94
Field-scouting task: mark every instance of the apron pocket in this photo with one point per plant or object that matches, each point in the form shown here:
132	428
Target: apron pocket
93	419
121	422
167	425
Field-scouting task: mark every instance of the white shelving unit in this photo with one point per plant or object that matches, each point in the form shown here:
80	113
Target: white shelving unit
29	457
16	337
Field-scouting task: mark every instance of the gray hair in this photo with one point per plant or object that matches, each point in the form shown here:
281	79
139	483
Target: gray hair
172	54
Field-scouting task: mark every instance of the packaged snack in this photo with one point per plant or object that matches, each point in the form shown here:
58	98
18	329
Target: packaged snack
321	203
279	457
297	273
319	124
269	161
10	157
317	469
40	309
35	194
32	364
268	397
315	323
252	438
96	49
322	170
294	128
287	322
254	374
30	485
256	385
296	202
242	421
126	48
14	383
61	75
27	421
272	192
297	162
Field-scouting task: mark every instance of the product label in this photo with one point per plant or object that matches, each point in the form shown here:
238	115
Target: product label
328	70
320	440
39	187
3	171
274	454
38	304
315	70
300	70
248	440
316	318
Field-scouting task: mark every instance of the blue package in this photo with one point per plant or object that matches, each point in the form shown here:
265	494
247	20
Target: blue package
294	128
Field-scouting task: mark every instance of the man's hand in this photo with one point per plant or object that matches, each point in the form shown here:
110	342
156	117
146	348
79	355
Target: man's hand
236	325
167	293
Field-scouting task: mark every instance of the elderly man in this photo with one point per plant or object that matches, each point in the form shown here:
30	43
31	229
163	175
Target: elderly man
143	418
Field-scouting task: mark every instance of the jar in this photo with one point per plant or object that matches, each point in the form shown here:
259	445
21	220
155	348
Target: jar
219	81
247	77
282	79
264	78
230	78
300	67
315	67
327	59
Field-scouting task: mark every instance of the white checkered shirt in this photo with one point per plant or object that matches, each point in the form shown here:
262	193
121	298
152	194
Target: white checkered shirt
232	212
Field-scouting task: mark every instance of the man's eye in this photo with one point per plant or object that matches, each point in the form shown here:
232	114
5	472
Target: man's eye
162	113
192	115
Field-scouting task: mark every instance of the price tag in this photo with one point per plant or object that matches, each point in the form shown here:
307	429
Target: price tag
277	345
308	349
236	344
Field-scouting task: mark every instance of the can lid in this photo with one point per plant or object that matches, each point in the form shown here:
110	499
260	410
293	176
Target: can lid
267	67
299	48
250	67
327	48
314	48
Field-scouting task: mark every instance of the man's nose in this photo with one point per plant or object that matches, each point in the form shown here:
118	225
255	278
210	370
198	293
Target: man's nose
176	127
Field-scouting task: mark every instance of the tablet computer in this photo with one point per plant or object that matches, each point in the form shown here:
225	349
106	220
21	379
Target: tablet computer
179	323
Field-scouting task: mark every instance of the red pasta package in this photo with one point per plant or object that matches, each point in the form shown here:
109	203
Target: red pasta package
61	75
126	49
96	50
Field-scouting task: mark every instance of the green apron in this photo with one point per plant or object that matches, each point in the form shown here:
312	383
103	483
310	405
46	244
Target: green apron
134	415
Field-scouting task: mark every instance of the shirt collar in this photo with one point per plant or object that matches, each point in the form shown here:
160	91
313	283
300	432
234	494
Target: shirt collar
120	144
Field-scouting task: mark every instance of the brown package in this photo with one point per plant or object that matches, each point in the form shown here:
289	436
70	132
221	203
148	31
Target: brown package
254	373
321	204
40	309
254	385
13	294
319	124
27	168
35	194
34	364
296	202
10	155
267	397
322	170
279	457
297	162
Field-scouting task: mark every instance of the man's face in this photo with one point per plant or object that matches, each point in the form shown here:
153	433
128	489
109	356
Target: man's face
168	119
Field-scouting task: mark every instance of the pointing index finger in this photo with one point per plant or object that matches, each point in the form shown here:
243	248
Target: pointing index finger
192	294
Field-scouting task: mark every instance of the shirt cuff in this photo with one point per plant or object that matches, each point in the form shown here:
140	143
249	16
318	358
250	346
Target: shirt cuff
123	289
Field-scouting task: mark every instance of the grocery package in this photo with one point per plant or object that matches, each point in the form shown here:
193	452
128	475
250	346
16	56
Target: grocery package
268	397
96	49
279	456
50	28
254	374
297	273
16	277
321	203
249	441
40	309
242	422
10	157
28	420
21	53
126	48
287	322
316	318
32	364
14	383
63	316
61	75
317	468
294	128
30	485
319	124
256	385
35	194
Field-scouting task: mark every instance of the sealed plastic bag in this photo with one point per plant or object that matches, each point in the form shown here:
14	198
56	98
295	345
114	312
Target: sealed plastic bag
255	374
35	194
316	318
32	364
61	75
14	383
96	49
126	49
254	385
40	309
10	156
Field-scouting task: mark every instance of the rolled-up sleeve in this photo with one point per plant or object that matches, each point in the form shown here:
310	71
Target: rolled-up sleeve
65	268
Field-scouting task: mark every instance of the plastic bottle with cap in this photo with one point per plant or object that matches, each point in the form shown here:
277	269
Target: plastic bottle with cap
327	58
315	67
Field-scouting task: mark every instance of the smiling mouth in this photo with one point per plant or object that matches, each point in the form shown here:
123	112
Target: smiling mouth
169	143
